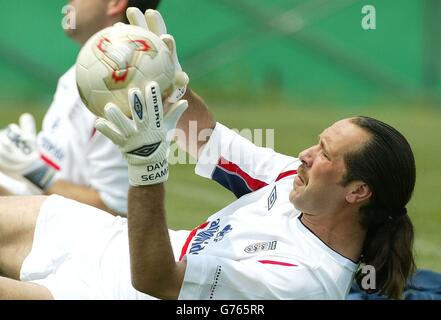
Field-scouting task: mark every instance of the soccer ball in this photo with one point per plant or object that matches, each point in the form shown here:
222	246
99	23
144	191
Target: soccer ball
117	59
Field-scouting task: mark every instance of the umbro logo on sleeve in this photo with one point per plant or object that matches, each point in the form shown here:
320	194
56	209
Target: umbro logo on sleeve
272	198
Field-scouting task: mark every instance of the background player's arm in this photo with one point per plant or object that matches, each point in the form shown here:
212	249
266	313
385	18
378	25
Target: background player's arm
4	192
86	195
153	267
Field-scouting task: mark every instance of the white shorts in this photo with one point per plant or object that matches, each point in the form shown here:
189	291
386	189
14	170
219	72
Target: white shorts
80	252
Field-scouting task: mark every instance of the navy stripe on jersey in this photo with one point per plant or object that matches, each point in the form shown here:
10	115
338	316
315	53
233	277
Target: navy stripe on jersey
231	181
232	177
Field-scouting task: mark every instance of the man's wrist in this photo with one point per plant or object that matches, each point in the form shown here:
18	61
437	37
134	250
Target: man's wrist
149	173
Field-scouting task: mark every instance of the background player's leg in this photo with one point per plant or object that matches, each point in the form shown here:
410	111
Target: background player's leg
18	216
16	290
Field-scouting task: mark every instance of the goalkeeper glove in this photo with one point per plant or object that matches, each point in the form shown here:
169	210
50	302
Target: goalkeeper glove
143	139
153	22
19	153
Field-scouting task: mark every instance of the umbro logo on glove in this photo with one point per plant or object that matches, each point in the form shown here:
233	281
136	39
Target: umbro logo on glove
145	151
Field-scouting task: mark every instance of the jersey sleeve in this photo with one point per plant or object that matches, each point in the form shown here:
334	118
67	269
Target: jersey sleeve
239	165
209	277
108	173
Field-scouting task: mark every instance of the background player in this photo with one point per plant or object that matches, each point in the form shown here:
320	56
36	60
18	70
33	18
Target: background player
68	157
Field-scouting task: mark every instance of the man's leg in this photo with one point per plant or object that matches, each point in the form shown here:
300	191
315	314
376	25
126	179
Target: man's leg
18	216
15	290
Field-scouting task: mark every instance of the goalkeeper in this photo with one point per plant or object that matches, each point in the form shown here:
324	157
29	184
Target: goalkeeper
298	230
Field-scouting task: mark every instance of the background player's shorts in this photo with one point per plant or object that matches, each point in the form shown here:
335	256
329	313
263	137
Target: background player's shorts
80	252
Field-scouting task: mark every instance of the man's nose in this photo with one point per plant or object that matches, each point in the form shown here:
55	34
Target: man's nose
307	157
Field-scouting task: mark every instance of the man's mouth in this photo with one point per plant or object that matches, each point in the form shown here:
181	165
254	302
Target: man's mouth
300	175
299	181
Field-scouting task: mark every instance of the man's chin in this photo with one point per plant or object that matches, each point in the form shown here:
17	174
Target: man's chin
294	199
69	32
73	35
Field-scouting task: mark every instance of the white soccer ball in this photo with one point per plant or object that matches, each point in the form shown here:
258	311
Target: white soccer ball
117	59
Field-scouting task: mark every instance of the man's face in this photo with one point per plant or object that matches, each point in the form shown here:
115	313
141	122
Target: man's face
90	17
317	187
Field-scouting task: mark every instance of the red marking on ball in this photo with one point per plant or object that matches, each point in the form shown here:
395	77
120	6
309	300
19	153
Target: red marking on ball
122	77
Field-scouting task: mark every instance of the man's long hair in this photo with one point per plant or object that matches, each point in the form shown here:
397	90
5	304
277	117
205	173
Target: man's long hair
387	165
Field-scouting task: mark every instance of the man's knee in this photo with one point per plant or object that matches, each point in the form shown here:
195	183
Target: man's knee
16	290
18	216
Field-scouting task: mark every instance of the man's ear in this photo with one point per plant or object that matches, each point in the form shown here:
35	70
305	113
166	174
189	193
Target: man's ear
358	192
117	7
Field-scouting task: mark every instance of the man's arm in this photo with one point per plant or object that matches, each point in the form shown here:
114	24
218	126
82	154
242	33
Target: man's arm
83	194
143	142
153	267
197	112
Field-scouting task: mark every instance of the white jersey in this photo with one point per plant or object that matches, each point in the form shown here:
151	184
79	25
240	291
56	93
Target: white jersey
257	247
70	144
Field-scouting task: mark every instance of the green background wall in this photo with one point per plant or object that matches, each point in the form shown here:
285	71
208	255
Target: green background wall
254	45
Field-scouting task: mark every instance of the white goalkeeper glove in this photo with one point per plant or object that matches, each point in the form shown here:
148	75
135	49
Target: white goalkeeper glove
19	153
153	22
143	139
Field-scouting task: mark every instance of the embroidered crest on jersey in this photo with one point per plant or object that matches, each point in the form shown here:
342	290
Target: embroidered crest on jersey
261	246
272	198
145	151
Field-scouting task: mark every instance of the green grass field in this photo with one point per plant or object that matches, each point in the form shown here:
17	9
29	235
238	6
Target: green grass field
190	199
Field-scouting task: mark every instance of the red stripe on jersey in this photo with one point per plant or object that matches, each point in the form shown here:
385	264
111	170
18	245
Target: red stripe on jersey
277	263
254	184
286	174
93	133
50	163
189	238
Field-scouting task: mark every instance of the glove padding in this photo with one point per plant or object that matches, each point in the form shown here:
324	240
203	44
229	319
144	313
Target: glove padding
143	140
19	153
153	22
